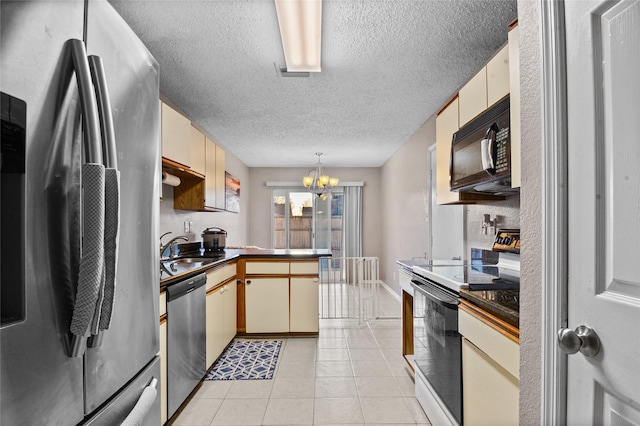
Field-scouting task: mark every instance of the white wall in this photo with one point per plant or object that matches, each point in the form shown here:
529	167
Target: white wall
236	224
405	189
530	215
260	214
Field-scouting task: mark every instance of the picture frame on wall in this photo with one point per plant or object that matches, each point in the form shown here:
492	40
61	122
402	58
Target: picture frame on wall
232	193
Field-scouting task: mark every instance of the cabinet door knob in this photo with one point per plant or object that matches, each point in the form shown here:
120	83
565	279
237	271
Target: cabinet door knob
583	339
248	282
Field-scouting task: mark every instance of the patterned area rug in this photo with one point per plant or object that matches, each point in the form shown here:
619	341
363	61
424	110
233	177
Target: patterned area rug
247	360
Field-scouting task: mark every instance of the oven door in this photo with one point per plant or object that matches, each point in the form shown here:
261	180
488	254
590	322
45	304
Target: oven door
437	343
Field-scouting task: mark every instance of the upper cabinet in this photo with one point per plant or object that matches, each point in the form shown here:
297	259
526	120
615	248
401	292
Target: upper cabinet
473	97
198	161
446	126
214	176
176	135
485	88
498	81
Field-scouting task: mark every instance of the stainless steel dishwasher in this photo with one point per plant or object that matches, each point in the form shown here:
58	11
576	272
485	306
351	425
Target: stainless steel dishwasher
186	339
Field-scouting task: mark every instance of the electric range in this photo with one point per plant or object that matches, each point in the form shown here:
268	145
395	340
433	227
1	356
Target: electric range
437	357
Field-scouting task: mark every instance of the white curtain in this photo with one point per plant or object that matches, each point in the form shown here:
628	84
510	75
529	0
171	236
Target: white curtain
352	222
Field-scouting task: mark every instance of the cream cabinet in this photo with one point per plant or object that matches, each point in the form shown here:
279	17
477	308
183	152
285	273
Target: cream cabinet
208	194
214	339
514	83
267	305
487	87
229	312
220	179
490	368
163	357
304	304
303	310
498	82
176	136
214	176
221	303
281	297
198	160
473	97
446	126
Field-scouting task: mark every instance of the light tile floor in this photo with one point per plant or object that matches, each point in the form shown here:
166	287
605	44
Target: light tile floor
350	374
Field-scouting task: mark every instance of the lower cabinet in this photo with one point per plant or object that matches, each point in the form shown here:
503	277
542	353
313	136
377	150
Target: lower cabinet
215	307
267	305
490	368
221	306
490	393
281	297
303	311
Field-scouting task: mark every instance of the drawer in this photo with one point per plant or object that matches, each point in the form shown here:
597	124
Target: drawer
496	345
163	303
267	268
217	276
304	268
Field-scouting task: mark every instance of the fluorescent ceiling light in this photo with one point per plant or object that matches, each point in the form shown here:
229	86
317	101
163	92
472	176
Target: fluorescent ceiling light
300	24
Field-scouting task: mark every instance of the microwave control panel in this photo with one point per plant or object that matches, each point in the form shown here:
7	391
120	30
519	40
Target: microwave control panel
502	150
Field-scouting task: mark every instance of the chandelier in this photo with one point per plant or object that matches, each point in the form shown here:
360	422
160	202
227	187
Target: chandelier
317	182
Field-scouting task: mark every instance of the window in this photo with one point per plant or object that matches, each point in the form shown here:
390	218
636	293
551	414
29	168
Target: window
302	220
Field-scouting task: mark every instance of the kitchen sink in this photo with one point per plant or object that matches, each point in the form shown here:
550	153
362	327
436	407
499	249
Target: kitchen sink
182	264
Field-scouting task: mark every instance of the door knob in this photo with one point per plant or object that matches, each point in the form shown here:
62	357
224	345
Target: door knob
583	339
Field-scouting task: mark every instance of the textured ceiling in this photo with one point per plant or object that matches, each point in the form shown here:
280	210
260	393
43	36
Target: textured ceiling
387	66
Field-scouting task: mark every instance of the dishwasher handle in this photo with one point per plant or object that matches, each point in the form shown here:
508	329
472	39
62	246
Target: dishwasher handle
184	287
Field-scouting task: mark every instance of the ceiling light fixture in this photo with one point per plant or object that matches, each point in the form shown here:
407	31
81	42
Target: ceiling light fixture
300	24
317	182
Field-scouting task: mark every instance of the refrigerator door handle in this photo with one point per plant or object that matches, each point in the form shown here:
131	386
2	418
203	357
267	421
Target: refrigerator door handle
80	63
91	273
105	113
143	406
112	199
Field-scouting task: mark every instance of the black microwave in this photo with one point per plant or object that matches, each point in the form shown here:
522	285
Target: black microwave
481	153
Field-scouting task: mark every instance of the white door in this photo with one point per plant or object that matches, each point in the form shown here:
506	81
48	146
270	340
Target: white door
447	223
603	105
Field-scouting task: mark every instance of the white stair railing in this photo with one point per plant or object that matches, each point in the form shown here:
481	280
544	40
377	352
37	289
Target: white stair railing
349	288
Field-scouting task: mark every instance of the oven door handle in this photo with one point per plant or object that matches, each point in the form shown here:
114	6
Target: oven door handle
432	294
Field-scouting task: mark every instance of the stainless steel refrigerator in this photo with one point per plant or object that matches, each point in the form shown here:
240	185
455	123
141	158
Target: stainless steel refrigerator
79	255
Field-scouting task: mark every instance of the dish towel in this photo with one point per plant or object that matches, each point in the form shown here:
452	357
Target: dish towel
91	274
111	237
143	406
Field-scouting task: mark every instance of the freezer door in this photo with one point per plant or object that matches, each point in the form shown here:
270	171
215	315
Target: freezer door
132	78
133	397
40	384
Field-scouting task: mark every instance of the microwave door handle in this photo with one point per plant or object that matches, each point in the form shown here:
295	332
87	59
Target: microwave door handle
486	150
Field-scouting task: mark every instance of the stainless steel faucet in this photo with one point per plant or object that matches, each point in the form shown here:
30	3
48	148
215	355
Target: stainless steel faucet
170	244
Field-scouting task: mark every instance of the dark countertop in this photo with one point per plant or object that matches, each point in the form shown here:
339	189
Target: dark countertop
206	262
503	304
